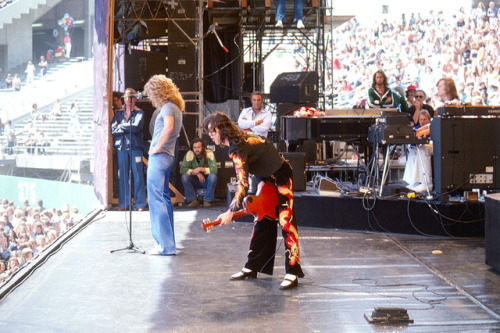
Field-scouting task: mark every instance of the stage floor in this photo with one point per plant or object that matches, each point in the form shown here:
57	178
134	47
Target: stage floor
442	282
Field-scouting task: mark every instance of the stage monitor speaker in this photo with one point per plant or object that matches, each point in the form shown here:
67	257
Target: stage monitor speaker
141	65
466	153
298	162
296	87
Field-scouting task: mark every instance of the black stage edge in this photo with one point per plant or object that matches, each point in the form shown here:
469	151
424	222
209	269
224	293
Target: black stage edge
400	215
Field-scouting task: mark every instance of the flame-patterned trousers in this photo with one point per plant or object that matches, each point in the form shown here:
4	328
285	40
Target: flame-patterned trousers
263	243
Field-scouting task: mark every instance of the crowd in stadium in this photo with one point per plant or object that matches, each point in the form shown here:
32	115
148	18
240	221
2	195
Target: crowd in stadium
419	50
25	231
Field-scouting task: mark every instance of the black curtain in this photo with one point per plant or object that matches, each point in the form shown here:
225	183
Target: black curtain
221	69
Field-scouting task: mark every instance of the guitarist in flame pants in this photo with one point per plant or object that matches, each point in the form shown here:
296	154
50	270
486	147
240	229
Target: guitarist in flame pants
252	154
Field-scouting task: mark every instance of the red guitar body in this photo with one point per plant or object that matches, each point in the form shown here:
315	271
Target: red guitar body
261	205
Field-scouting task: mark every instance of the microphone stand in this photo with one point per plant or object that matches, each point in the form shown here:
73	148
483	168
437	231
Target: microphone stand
131	245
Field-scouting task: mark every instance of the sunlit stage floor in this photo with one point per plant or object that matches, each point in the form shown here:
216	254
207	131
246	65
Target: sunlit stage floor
442	282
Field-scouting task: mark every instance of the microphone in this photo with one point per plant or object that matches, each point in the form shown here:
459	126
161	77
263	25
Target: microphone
212	29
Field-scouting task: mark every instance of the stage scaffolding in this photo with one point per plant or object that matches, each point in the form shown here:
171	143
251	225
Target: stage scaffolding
258	37
169	27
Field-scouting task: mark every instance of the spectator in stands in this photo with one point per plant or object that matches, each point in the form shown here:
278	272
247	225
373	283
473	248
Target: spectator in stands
41	141
127	131
5	224
410	95
492	13
3	268
381	96
41	242
199	171
8	81
298	13
419	104
16	83
39	205
10	135
493	94
56	109
74	108
418	171
74	121
30	141
43	67
30	71
67	45
26	254
13	265
35	113
256	119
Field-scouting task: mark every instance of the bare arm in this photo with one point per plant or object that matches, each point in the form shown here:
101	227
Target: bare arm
168	127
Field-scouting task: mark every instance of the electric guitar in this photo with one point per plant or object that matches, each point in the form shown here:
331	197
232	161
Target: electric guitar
261	205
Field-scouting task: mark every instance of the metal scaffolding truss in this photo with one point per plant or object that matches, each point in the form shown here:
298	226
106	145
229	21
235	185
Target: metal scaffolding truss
143	24
260	38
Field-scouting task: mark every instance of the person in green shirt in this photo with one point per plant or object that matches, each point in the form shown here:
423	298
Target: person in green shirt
381	96
199	171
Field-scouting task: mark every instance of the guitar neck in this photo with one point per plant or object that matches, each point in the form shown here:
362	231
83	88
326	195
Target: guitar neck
207	225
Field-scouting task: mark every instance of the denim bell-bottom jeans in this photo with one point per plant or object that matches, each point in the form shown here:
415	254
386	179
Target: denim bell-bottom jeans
124	164
298	10
160	206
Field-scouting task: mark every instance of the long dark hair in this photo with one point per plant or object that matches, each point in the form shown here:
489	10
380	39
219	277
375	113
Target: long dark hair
227	129
383	75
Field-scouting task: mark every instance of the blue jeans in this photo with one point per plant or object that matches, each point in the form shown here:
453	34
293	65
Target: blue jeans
192	183
298	10
138	172
160	206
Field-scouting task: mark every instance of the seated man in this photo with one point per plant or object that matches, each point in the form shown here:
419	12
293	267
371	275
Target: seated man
199	171
418	170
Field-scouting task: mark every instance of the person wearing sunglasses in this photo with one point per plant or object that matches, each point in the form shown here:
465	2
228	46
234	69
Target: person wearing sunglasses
419	105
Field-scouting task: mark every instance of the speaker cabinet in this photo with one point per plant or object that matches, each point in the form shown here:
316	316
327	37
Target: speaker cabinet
298	162
492	230
141	65
182	66
466	153
296	87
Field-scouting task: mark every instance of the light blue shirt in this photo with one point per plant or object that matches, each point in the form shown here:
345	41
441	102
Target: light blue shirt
168	109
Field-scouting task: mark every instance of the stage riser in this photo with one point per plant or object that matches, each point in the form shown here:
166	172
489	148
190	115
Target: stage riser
388	216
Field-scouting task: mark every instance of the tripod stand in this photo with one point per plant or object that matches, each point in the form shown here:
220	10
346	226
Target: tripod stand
131	245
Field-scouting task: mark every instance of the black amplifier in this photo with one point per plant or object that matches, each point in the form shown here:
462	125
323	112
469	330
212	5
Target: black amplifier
468	110
393	135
